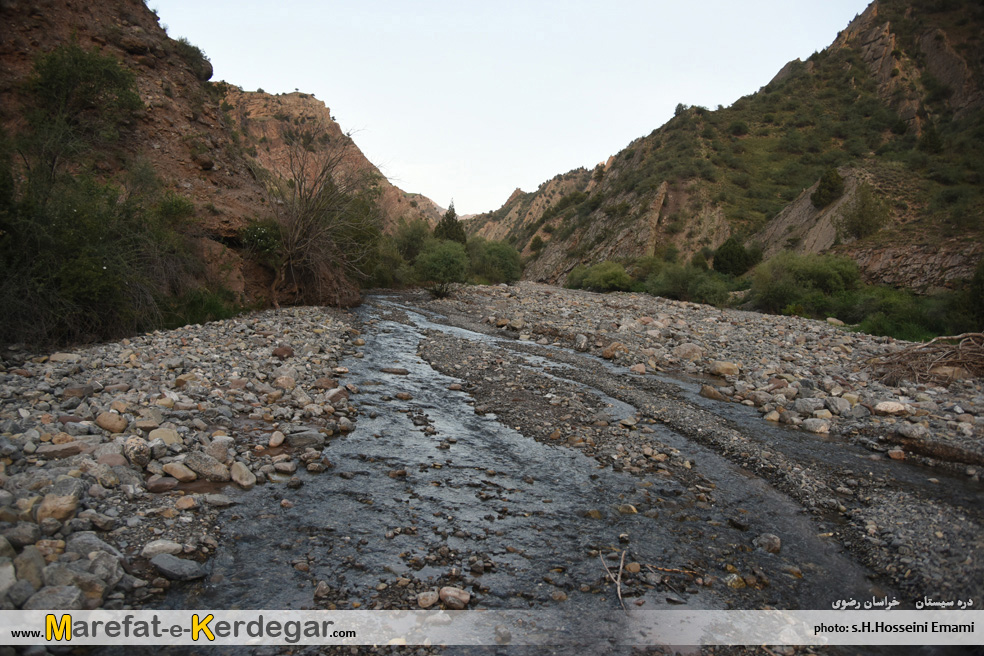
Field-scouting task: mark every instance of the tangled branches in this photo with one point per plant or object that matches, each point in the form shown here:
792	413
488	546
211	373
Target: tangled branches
941	360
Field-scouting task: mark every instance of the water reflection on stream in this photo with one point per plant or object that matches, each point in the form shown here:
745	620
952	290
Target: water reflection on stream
517	504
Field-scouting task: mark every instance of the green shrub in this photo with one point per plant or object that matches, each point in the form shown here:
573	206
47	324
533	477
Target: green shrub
789	280
536	244
689	284
199	305
641	268
194	57
80	101
262	240
390	269
607	276
830	189
731	258
440	265
83	89
83	258
91	263
575	279
410	238
494	262
866	215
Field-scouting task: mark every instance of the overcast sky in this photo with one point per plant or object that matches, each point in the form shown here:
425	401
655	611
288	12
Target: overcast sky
469	100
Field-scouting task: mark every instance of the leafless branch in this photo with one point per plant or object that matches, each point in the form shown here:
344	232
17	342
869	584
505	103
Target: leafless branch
939	360
326	213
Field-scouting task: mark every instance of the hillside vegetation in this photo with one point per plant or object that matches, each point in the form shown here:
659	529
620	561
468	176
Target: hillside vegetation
890	113
135	193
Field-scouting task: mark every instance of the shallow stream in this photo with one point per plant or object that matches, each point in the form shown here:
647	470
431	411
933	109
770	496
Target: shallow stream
425	487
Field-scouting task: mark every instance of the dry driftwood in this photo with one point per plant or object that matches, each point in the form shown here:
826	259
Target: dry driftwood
941	360
617	580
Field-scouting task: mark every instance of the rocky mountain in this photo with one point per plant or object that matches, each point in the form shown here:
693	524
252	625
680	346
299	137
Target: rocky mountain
206	141
895	104
262	118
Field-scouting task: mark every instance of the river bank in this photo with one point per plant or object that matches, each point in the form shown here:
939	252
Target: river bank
509	447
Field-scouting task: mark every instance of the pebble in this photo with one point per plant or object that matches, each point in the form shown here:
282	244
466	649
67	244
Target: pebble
112	422
177	569
428	598
768	542
454	598
180	472
128	424
155	547
889	408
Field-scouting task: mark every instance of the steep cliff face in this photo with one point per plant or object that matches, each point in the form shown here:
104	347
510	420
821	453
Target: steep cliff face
202	138
896	100
262	118
180	132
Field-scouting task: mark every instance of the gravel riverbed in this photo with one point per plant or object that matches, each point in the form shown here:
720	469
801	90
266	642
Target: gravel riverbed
740	460
916	520
115	456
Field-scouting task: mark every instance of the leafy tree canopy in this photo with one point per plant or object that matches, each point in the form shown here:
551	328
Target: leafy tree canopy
450	228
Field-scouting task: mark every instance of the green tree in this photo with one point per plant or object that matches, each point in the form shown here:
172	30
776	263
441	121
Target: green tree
410	237
494	261
731	258
866	215
441	265
830	189
450	228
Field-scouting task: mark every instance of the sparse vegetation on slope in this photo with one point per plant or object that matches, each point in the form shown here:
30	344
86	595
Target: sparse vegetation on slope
86	258
909	139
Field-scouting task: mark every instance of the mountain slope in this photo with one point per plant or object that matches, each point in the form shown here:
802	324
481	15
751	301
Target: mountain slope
895	103
191	132
262	118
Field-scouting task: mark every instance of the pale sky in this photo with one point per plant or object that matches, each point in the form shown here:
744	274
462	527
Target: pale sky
466	100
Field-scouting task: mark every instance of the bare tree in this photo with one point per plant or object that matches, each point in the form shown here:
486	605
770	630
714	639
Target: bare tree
326	215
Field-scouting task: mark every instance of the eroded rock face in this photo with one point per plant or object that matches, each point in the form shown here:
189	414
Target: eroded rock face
923	268
946	64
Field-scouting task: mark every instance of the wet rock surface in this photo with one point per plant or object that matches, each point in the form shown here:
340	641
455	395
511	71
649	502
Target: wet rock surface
115	456
911	520
507	448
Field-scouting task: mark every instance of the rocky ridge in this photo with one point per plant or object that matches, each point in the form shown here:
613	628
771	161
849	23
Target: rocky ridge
263	116
700	178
